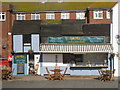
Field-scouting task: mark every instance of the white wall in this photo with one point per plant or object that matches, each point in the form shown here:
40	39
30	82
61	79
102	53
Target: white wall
114	32
119	34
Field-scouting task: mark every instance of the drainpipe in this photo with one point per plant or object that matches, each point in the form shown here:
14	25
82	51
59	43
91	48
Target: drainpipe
56	59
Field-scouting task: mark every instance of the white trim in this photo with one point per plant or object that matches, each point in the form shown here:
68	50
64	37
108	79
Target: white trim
96	14
80	15
2	14
36	16
107	14
27	44
21	16
65	15
50	16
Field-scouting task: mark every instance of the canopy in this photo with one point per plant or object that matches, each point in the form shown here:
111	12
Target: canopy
76	48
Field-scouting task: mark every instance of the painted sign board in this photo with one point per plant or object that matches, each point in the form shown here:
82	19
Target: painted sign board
76	39
21	58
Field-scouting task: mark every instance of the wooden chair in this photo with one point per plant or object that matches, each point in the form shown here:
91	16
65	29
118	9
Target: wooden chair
100	77
51	76
111	75
36	68
62	75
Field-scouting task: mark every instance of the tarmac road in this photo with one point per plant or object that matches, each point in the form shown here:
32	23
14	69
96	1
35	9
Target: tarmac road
69	83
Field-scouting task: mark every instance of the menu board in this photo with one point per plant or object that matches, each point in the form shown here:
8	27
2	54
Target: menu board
20	68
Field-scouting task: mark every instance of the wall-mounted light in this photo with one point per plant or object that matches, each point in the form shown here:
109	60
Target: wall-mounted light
4	46
9	33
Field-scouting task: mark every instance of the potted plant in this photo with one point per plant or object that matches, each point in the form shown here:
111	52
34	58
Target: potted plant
30	51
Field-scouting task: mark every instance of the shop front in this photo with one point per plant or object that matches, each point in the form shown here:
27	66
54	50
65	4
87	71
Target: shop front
81	59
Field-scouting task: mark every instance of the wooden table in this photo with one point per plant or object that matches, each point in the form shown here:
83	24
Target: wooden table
57	74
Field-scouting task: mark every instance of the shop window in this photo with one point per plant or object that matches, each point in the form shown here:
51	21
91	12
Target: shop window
50	16
27	39
80	15
35	16
73	58
65	15
107	14
20	17
98	14
2	16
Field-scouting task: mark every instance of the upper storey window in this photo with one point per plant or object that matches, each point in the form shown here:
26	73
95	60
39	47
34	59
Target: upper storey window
35	16
20	16
98	14
108	14
65	15
50	16
80	15
2	16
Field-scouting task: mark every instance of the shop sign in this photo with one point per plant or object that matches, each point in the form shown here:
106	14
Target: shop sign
76	39
21	58
20	68
118	41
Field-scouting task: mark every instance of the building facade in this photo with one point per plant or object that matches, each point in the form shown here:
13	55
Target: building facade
78	39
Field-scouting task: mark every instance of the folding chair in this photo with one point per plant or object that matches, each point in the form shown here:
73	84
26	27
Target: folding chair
101	75
62	75
51	76
36	68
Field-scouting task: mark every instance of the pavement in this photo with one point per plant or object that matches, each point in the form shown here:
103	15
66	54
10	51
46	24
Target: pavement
70	82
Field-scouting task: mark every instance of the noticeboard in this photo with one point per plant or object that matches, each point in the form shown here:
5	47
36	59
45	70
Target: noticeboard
20	68
21	58
77	39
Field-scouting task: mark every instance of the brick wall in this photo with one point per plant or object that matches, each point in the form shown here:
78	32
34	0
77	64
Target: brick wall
6	27
92	20
57	15
72	15
42	16
28	16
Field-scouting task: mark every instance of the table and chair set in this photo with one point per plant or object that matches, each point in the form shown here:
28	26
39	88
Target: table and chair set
106	75
56	73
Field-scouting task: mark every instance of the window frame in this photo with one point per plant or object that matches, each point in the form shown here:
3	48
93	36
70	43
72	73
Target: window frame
97	12
36	14
21	15
79	15
1	14
50	14
108	16
67	15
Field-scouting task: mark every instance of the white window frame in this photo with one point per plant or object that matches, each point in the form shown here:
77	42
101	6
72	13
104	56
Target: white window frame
22	16
80	15
36	16
65	15
107	14
50	16
2	14
96	14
